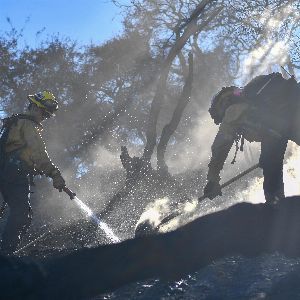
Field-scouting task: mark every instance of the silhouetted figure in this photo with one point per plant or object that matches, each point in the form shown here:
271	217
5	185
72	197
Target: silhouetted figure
23	154
266	110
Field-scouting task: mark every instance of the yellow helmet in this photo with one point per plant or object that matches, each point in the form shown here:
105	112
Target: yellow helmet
45	100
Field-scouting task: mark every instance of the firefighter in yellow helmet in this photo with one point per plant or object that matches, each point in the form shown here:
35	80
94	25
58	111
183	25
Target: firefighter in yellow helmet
23	153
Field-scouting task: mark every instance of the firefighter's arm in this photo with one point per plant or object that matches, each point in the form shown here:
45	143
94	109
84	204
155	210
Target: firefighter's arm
39	155
224	139
220	149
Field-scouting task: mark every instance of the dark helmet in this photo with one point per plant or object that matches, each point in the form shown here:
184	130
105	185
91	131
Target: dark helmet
222	100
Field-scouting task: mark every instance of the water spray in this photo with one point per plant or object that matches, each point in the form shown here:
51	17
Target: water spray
84	208
92	216
31	243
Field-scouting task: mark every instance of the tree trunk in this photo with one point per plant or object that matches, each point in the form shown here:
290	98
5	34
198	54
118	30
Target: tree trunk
170	128
191	27
136	167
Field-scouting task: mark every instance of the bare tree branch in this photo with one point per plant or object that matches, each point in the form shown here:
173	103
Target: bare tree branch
191	28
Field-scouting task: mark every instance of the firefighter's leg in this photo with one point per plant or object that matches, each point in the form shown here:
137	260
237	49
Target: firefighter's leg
271	161
16	196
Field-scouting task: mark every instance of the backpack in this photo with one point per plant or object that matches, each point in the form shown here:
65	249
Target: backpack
269	92
7	123
271	104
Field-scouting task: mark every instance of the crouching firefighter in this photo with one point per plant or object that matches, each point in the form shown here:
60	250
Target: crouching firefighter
266	110
23	154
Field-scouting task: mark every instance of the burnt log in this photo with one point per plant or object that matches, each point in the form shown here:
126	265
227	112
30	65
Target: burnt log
243	229
135	166
143	182
136	170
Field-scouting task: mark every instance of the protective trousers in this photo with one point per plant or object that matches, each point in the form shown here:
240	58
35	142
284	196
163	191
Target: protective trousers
14	187
271	161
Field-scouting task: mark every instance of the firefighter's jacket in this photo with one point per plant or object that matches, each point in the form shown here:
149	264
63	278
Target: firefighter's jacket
25	139
270	109
237	121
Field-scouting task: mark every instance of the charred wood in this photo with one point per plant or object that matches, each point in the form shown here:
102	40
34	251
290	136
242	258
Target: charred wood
243	229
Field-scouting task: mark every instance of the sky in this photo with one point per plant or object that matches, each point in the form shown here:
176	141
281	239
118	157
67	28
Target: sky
81	20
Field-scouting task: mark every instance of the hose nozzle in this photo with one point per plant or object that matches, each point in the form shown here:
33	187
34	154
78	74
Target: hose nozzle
71	194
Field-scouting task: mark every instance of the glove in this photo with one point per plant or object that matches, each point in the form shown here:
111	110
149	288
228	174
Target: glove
212	190
58	181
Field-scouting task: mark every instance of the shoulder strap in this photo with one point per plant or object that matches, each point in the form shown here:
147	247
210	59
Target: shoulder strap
9	121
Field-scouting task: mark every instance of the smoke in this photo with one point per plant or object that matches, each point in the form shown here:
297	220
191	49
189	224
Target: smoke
272	20
101	175
291	172
273	48
253	193
194	151
264	58
94	184
104	159
155	211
